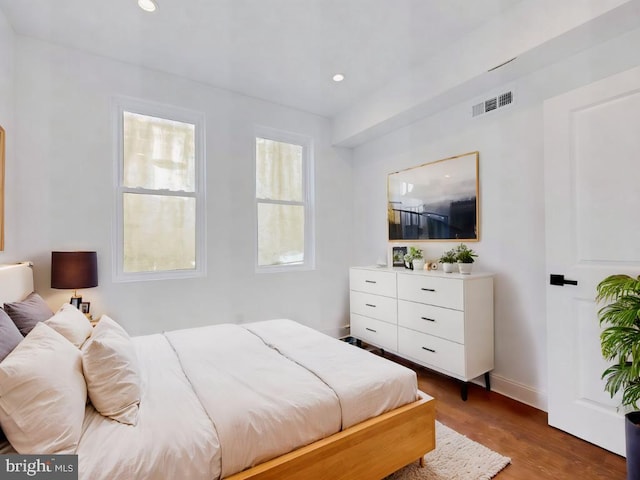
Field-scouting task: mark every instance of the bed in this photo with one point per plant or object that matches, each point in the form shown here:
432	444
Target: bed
267	400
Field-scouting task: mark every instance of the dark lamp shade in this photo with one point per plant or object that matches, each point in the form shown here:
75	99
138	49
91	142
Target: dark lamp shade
72	270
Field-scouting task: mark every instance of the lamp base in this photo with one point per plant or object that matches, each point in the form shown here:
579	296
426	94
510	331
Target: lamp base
76	301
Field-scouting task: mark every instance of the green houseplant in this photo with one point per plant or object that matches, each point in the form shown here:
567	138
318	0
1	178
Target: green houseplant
448	259
414	258
620	342
465	257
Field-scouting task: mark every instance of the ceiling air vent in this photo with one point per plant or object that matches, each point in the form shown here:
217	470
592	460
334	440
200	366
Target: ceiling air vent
492	103
505	99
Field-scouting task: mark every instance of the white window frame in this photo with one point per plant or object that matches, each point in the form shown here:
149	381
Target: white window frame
126	104
306	142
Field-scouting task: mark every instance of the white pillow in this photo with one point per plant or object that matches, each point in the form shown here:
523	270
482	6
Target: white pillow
111	370
42	394
72	324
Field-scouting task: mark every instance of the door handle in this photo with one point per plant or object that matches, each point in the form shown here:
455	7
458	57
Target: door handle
560	280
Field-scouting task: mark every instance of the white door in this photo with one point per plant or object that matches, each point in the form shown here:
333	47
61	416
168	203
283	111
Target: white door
592	209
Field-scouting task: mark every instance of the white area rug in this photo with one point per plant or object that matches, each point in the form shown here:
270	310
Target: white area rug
455	458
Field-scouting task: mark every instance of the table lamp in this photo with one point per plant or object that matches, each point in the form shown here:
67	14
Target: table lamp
74	270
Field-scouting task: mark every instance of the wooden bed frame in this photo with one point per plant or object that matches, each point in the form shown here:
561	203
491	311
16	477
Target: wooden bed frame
370	450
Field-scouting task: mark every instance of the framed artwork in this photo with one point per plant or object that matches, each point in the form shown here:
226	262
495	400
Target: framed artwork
435	201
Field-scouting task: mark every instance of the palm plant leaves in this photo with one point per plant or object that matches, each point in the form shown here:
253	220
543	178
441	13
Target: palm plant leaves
620	341
615	286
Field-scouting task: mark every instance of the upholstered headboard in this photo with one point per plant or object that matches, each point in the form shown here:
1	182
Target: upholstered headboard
16	282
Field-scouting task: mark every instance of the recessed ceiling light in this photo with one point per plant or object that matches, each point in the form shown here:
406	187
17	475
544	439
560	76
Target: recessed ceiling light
338	77
147	5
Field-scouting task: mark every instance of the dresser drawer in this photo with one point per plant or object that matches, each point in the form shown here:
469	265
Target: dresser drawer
375	332
372	281
374	306
438	321
443	292
432	351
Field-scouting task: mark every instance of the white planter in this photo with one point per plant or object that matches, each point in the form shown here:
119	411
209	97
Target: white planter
418	264
465	268
448	267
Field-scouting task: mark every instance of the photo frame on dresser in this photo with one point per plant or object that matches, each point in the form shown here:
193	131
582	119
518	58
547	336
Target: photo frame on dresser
397	256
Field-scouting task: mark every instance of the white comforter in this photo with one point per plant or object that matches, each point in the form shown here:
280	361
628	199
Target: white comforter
262	404
174	437
366	385
219	399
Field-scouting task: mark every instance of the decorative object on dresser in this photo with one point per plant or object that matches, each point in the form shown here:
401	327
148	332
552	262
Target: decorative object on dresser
465	257
620	342
435	201
74	270
448	260
441	321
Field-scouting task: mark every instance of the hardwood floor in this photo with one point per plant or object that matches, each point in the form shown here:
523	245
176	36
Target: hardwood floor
518	431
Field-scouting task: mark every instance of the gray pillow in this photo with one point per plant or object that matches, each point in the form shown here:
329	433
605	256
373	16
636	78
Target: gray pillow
10	336
28	312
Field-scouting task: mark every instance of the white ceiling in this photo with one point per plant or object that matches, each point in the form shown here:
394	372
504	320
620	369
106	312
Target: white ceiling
284	51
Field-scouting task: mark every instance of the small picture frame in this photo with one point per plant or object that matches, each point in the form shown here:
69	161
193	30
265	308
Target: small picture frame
84	307
76	302
397	256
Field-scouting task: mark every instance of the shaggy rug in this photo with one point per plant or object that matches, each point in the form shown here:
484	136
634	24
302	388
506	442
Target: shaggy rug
455	458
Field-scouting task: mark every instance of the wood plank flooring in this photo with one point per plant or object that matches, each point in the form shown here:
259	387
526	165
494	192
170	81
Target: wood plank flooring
518	431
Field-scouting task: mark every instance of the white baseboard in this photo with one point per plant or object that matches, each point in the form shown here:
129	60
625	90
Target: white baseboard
517	391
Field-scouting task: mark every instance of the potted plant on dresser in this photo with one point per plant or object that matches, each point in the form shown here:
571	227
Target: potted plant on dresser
415	259
465	257
448	261
620	342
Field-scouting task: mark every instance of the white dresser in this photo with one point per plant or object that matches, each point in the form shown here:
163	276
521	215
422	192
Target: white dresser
443	321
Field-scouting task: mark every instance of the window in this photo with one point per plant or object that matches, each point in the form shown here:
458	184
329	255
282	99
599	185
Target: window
160	193
284	210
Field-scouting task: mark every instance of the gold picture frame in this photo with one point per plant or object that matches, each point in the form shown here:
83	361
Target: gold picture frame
2	144
436	201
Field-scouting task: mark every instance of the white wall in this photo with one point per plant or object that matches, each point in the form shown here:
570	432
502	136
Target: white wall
6	118
65	140
512	241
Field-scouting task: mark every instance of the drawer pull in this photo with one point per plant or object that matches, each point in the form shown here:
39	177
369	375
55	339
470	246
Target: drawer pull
429	349
370	305
370	281
370	329
428	319
427	289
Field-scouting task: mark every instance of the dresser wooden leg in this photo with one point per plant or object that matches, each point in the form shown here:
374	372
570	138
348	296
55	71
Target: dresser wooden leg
487	382
422	463
464	391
